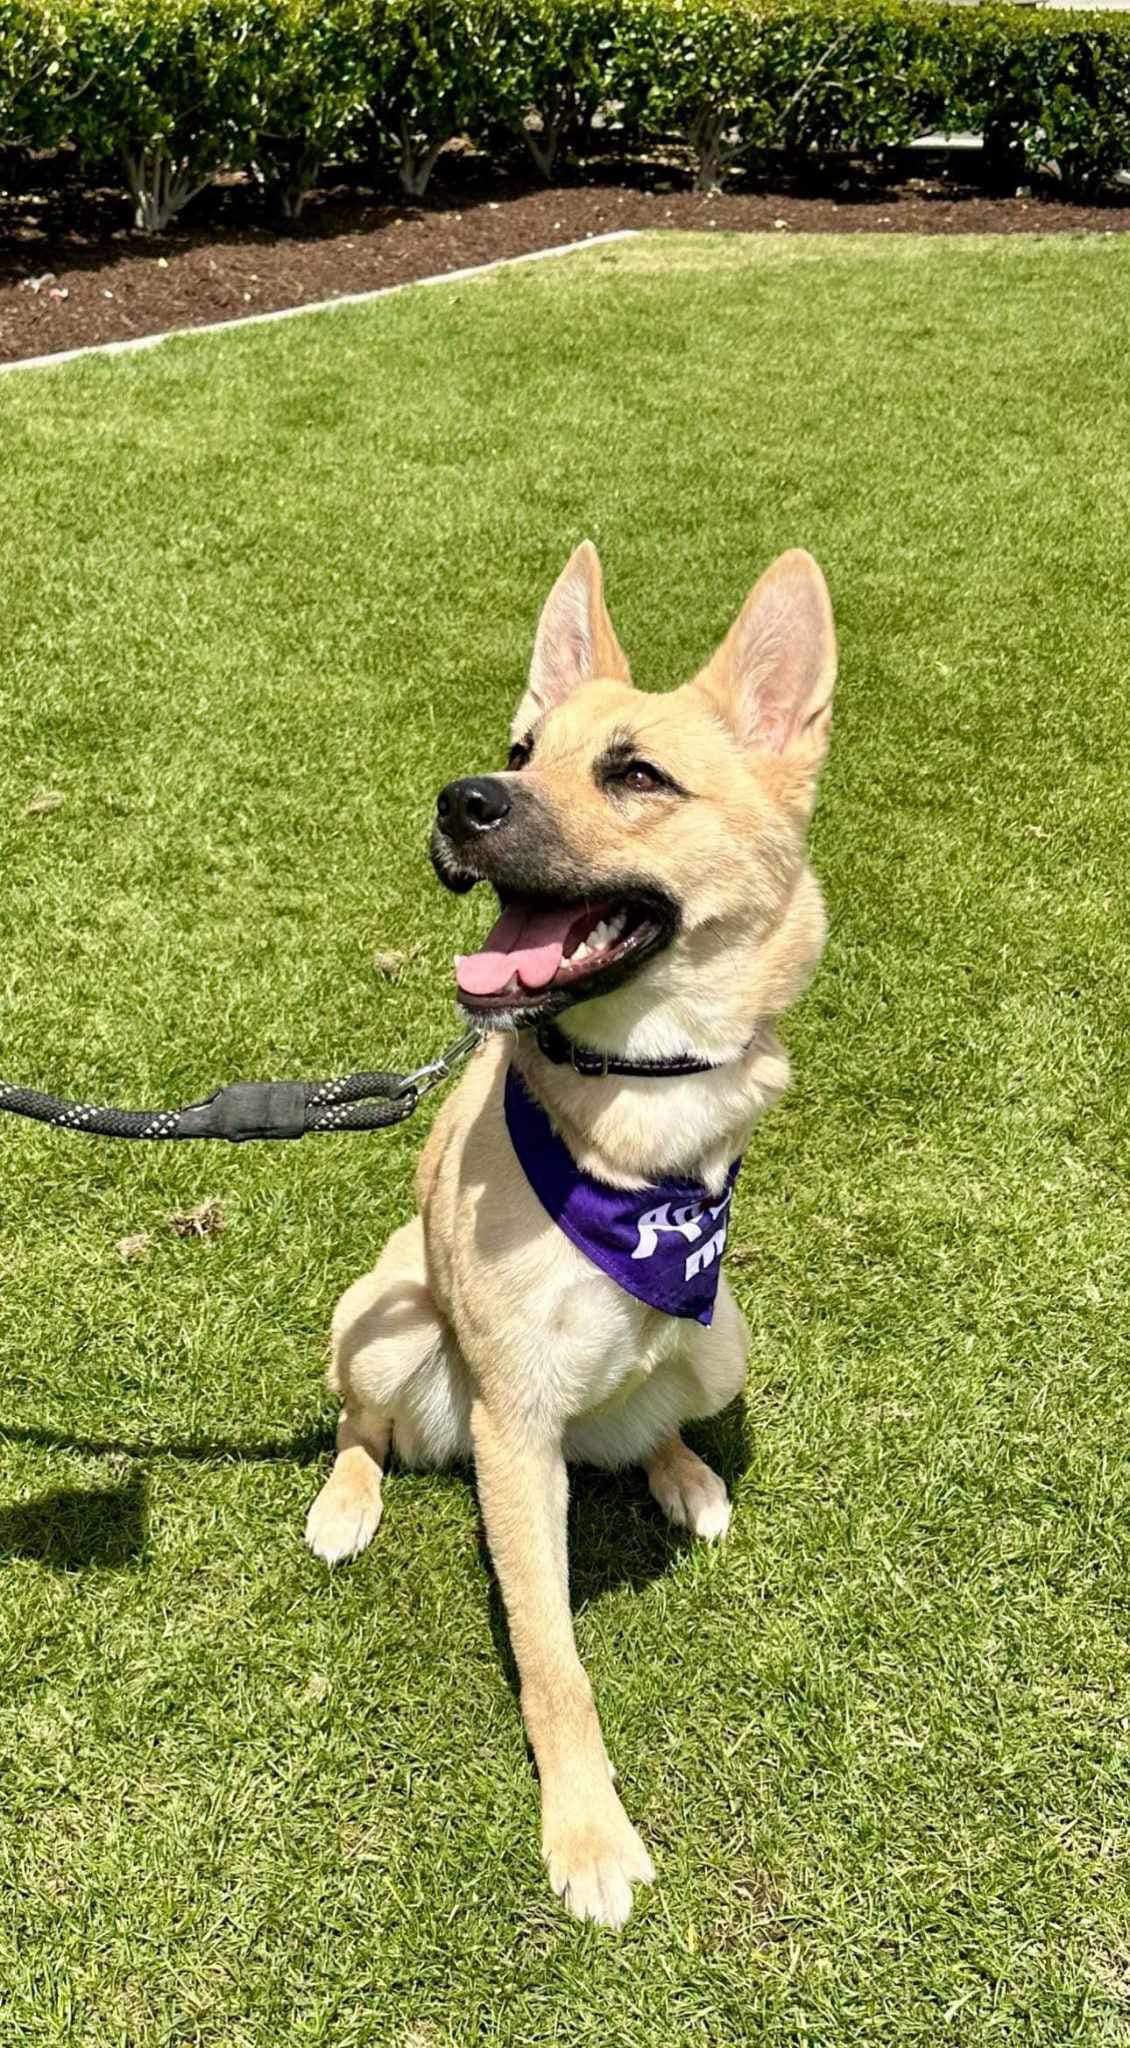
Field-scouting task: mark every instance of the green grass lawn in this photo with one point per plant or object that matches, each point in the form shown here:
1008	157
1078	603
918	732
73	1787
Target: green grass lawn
262	594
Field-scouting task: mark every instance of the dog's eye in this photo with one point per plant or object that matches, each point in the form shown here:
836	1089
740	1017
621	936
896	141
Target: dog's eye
621	770
642	778
519	755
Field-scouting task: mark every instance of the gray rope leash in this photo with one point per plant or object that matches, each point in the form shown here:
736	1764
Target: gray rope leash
254	1109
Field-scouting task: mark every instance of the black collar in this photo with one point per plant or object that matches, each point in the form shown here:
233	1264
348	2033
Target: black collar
584	1059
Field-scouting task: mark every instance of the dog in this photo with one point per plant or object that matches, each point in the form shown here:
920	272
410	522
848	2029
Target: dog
558	1297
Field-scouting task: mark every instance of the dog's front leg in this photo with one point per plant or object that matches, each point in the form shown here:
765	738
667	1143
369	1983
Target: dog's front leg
593	1851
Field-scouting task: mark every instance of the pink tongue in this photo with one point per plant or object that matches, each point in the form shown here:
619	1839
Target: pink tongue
525	943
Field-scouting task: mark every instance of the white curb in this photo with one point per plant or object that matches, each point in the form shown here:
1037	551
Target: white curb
384	291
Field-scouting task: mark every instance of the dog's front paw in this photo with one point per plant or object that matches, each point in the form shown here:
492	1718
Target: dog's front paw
594	1860
691	1495
344	1517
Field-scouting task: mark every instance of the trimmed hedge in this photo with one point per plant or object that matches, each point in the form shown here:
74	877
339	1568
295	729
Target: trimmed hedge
1051	90
170	89
33	62
317	85
820	81
173	91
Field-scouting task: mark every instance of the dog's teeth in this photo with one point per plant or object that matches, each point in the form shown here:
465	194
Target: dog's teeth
599	937
616	927
580	952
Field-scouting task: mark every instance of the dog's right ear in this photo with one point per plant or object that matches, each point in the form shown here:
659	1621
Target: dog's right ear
771	680
575	640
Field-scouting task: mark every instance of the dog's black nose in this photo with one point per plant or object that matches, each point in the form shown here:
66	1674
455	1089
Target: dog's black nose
477	804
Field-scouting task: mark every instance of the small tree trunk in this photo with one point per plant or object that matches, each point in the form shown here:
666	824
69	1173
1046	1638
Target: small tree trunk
139	178
543	148
417	163
158	187
707	143
612	136
295	190
1003	164
544	143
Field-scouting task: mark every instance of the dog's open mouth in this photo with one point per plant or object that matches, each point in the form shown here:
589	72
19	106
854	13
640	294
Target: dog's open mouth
542	953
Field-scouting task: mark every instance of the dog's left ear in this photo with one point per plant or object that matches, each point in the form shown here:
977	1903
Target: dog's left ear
575	642
771	680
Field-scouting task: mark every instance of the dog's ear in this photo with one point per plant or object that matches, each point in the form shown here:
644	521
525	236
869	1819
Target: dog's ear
575	640
771	680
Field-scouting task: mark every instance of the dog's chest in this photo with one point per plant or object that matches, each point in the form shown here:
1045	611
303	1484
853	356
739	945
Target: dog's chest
596	1344
549	1331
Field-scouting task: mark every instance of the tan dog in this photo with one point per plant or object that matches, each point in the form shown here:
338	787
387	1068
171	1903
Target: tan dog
649	855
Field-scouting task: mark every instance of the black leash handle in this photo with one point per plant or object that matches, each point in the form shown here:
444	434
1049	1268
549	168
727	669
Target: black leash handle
248	1110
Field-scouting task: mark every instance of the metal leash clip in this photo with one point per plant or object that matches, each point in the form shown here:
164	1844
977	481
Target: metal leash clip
426	1078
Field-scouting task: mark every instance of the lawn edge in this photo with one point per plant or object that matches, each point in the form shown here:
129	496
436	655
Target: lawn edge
135	342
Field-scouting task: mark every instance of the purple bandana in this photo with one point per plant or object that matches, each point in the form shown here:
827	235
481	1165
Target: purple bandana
663	1243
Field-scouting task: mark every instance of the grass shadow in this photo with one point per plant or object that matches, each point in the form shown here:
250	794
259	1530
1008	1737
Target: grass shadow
78	1528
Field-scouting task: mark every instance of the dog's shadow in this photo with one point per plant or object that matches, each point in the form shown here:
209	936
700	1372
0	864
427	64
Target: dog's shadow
618	1536
105	1527
78	1528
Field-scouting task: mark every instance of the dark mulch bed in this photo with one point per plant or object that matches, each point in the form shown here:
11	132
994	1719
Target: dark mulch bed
73	272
